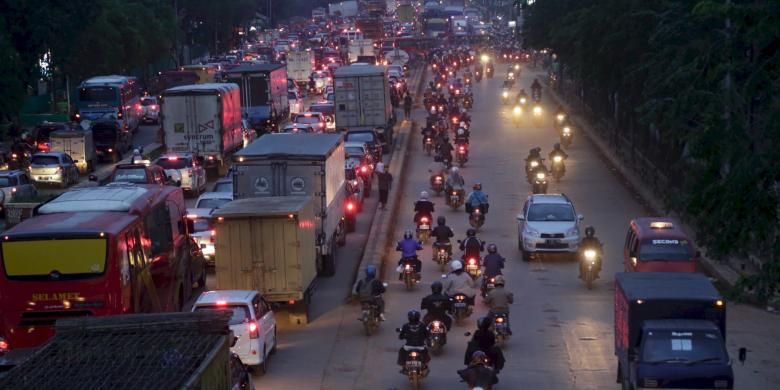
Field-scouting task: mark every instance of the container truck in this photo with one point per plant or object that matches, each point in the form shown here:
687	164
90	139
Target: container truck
263	94
670	331
78	144
204	119
299	165
268	245
300	64
363	100
360	47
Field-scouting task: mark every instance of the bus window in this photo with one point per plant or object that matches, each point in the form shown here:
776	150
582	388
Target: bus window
158	228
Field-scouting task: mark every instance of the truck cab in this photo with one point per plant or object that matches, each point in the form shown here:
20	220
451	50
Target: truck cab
658	245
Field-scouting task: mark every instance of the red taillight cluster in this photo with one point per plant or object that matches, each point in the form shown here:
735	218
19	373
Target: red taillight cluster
254	330
472	261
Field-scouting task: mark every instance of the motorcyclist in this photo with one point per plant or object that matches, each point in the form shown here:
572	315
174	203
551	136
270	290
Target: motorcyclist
520	96
415	333
436	306
477	199
484	340
433	117
461	136
536	89
428	132
445	148
560	115
472	246
454	181
557	151
478	374
408	248
423	207
493	262
464	117
370	290
591	242
442	233
459	282
499	299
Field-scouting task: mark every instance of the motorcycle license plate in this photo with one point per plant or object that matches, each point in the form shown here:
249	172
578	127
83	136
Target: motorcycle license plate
414	364
471	268
424	227
460	304
491	285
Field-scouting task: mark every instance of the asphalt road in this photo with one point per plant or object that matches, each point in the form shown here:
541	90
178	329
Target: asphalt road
563	336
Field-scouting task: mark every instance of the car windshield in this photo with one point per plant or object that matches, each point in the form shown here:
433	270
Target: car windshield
223	186
551	212
240	312
45	160
212	203
665	249
173	163
668	346
360	137
130	175
307	119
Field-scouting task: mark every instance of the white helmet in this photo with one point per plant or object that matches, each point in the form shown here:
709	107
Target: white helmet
424	195
461	131
454	170
462	124
456	265
433	110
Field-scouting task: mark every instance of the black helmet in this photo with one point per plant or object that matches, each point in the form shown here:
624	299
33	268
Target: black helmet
492	248
414	316
557	146
590	231
484	323
441	220
471	233
478	357
436	287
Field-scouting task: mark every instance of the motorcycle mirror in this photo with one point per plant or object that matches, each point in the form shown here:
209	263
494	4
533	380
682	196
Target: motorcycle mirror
742	355
467	334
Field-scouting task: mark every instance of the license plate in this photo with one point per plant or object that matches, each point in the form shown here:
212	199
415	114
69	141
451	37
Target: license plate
471	267
553	242
460	304
424	227
414	364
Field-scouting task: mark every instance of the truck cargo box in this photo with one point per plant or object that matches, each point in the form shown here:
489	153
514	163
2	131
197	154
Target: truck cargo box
362	97
263	87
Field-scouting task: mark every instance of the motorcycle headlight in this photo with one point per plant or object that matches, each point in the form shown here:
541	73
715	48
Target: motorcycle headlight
566	130
531	231
505	94
534	164
522	100
561	117
518	110
557	159
540	175
590	254
537	110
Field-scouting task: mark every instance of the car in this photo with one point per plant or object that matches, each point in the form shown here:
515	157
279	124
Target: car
331	97
658	244
139	174
291	128
548	224
253	322
315	119
369	137
53	168
202	232
296	103
328	109
213	200
185	170
224	184
150	110
15	183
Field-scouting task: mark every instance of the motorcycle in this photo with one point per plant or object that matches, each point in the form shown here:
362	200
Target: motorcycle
460	307
473	267
437	336
442	254
560	119
558	168
566	136
456	198
468	102
437	184
488	284
369	317
428	145
501	328
489	71
350	214
478	76
530	169
414	368
408	275
517	115
476	218
540	183
537	113
505	96
590	270
424	229
462	155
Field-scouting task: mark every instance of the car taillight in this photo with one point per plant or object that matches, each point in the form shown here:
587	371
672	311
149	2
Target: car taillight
211	158
472	262
110	150
424	220
438	179
4	345
119	115
350	206
254	331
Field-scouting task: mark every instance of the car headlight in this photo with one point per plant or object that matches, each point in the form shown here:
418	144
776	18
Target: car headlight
573	232
531	231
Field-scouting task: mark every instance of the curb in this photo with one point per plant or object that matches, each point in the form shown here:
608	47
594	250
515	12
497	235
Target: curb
724	274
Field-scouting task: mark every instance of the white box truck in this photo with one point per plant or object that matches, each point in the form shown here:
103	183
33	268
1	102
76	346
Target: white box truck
299	165
300	64
363	100
268	245
79	145
359	48
204	119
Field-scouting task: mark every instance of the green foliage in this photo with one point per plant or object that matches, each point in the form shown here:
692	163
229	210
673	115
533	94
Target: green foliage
705	74
10	77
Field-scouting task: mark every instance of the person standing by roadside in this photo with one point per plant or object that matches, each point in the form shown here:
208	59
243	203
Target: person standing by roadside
385	179
407	106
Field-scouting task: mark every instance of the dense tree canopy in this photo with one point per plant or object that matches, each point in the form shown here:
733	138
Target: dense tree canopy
694	84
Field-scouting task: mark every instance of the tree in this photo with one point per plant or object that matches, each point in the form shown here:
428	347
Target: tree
10	77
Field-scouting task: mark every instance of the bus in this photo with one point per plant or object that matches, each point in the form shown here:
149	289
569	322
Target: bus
110	97
117	249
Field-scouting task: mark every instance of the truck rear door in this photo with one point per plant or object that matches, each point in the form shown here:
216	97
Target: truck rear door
347	109
276	241
372	100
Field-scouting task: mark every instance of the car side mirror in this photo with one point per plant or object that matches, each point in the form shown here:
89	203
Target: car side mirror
742	355
580	217
520	217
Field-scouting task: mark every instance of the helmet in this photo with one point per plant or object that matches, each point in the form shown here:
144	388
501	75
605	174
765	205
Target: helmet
590	231
462	123
484	323
424	195
492	248
478	357
414	316
441	220
433	111
407	234
471	233
371	271
456	265
477	186
498	280
436	287
557	146
454	170
461	131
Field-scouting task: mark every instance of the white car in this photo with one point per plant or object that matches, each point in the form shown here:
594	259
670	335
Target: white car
296	103
252	322
203	233
185	170
213	200
548	223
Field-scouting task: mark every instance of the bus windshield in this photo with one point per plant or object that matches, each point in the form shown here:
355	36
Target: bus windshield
102	94
55	260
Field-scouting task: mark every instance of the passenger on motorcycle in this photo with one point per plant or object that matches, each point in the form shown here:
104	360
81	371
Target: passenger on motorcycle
370	290
478	375
423	207
493	262
437	306
499	299
428	132
557	151
459	282
484	340
442	233
454	181
408	248
520	96
415	333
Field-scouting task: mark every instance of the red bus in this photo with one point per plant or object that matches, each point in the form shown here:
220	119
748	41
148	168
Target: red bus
121	248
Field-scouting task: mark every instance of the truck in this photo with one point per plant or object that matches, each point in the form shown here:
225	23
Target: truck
371	27
345	9
78	144
670	331
300	64
159	351
299	165
263	94
269	245
363	100
203	119
360	47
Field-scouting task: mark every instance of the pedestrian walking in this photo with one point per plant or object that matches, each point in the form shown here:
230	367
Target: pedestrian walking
407	106
385	179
